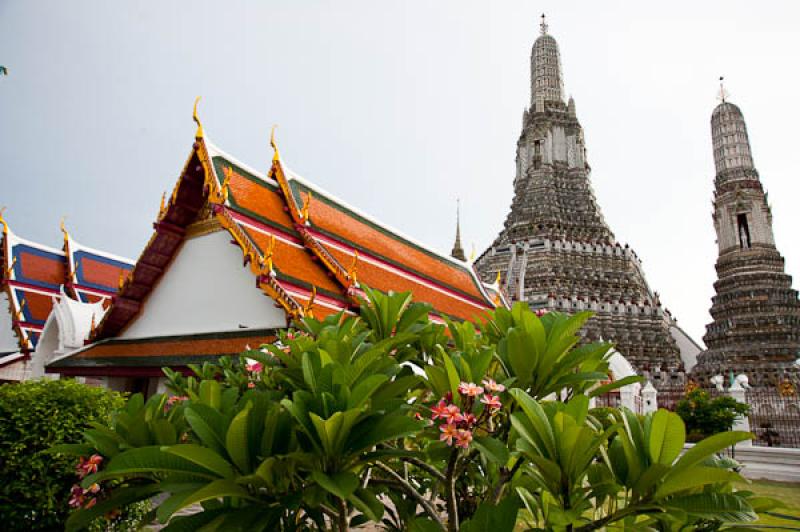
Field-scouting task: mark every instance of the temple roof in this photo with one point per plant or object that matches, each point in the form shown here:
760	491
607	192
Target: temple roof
307	250
32	275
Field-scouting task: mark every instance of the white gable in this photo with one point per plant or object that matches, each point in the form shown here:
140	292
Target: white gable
8	340
205	289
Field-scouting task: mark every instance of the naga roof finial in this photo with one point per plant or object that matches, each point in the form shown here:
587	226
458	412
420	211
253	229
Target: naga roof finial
199	133
722	94
3	221
277	155
64	228
543	25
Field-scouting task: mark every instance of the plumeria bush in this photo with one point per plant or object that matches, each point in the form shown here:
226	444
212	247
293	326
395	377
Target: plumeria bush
390	418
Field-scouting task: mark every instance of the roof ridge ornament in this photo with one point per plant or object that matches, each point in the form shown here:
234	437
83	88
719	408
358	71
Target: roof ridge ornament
199	133
3	221
63	227
543	25
277	155
722	95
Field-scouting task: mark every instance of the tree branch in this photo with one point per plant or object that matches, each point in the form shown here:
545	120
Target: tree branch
424	466
409	489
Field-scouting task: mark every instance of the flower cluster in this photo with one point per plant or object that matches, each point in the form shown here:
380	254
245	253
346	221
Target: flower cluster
457	425
171	400
87	466
80	497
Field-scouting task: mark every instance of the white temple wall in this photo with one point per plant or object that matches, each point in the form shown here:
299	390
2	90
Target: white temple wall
8	340
205	289
688	347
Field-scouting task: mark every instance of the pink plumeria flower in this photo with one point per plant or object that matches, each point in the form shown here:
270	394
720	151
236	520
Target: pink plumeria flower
94	488
439	411
492	386
492	401
251	385
470	389
254	367
90	465
76	499
463	438
469	419
453	414
449	431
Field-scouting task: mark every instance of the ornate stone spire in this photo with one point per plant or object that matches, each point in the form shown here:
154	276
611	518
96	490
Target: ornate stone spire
458	251
755	311
546	82
555	251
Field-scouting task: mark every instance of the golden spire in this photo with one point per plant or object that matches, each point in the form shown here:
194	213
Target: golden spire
199	133
304	212
352	271
2	221
277	155
497	279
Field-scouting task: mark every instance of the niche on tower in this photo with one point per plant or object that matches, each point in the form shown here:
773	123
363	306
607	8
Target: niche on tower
537	154
743	231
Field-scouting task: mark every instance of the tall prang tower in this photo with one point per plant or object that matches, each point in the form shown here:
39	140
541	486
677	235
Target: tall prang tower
756	313
555	250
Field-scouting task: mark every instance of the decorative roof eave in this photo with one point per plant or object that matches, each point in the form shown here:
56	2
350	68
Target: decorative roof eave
189	196
260	264
346	278
6	275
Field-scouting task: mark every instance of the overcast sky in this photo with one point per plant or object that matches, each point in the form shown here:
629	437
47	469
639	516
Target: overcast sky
397	108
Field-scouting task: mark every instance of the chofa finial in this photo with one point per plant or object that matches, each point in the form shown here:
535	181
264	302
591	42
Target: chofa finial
3	221
64	228
274	145
199	133
543	25
723	94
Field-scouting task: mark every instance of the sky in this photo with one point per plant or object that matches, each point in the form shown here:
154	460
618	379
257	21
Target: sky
398	108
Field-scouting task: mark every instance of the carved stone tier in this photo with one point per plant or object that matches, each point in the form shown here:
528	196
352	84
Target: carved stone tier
756	313
556	251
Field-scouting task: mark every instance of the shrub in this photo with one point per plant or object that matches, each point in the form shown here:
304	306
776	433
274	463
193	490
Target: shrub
34	484
705	417
322	428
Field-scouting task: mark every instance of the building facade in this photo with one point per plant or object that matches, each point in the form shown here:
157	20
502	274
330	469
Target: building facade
556	251
755	311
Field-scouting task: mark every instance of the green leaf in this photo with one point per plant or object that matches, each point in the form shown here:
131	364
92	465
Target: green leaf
492	449
142	460
695	477
163	432
488	517
341	484
207	434
369	504
216	490
611	386
204	457
722	506
210	393
236	440
667	436
452	375
704	448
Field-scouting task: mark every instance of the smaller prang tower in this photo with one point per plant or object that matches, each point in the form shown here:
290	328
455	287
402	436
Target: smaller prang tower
756	313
